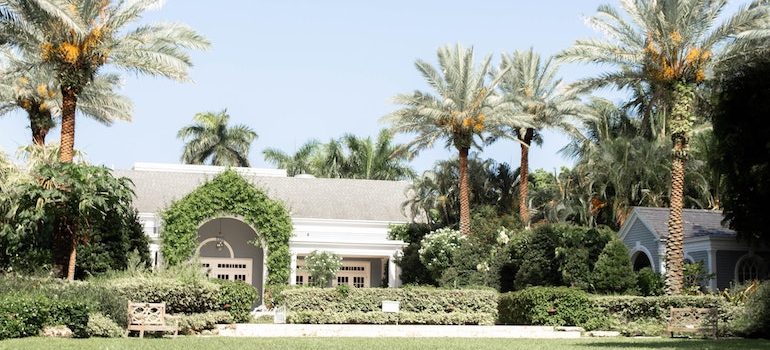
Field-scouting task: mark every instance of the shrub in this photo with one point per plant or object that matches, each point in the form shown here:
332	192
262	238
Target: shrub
102	326
538	264
195	323
553	306
636	315
649	282
180	297
613	272
431	303
756	320
23	315
438	249
696	278
377	317
323	266
237	298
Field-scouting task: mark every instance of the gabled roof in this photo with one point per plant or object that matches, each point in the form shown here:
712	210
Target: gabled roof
697	222
343	199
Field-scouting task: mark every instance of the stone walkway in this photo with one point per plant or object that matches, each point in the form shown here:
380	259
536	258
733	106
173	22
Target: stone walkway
409	331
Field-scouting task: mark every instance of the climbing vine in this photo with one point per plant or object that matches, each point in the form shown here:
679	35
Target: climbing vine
229	194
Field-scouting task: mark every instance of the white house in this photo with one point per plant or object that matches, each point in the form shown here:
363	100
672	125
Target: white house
347	217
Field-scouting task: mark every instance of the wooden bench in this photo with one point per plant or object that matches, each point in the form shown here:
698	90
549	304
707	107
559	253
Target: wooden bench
693	320
149	317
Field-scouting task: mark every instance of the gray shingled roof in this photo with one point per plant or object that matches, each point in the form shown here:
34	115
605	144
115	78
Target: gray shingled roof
344	199
697	222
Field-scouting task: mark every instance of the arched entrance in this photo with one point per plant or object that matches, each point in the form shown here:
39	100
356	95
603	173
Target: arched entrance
226	251
640	260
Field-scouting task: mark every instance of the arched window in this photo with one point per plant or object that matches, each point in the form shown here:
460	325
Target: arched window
640	260
749	267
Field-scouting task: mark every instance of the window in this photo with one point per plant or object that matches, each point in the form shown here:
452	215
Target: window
239	278
342	280
358	282
749	268
223	277
299	280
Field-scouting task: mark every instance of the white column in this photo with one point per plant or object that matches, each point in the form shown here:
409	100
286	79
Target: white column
662	257
293	270
392	273
713	267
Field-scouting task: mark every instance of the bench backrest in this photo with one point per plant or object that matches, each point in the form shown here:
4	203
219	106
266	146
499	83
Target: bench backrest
693	318
146	313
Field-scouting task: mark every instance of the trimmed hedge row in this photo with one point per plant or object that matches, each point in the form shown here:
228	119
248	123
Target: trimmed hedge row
379	317
648	316
23	315
418	305
184	297
553	306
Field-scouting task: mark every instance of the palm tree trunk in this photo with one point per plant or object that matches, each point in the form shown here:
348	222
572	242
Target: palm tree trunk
69	103
465	213
39	122
524	178
72	259
680	125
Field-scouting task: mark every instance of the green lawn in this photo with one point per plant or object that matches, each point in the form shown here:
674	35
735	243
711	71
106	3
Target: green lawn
218	343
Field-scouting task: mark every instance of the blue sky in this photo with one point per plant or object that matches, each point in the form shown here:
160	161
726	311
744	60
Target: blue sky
296	70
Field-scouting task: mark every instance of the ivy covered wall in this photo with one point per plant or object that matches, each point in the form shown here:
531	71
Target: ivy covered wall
229	194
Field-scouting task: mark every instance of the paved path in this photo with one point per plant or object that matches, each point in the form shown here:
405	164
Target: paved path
410	331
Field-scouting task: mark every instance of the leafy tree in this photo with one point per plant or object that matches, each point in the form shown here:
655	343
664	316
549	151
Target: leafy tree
438	250
463	108
110	244
72	196
742	152
211	139
34	89
323	266
540	97
375	160
77	38
613	272
665	48
436	195
296	164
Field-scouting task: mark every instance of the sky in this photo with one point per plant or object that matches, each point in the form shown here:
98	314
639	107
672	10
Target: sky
300	70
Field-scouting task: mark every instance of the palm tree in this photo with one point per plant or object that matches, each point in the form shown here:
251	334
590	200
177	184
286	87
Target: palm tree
531	83
33	89
298	163
463	108
668	47
376	160
211	139
77	38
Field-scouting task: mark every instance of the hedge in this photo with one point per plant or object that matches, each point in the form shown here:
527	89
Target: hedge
196	323
553	306
648	316
24	315
419	305
379	317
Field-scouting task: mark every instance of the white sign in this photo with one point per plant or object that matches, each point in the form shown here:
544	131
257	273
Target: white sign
390	306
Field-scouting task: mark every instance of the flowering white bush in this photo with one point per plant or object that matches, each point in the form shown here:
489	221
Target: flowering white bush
323	266
438	249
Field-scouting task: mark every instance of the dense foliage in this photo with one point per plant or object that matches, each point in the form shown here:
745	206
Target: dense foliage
229	193
211	140
742	151
323	266
420	305
613	272
554	306
100	220
23	315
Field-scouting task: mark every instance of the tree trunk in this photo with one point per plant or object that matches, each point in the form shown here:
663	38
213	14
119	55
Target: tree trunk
675	241
681	124
40	122
69	103
465	213
524	178
72	259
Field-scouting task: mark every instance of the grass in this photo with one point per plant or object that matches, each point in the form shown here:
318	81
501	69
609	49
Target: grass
220	343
